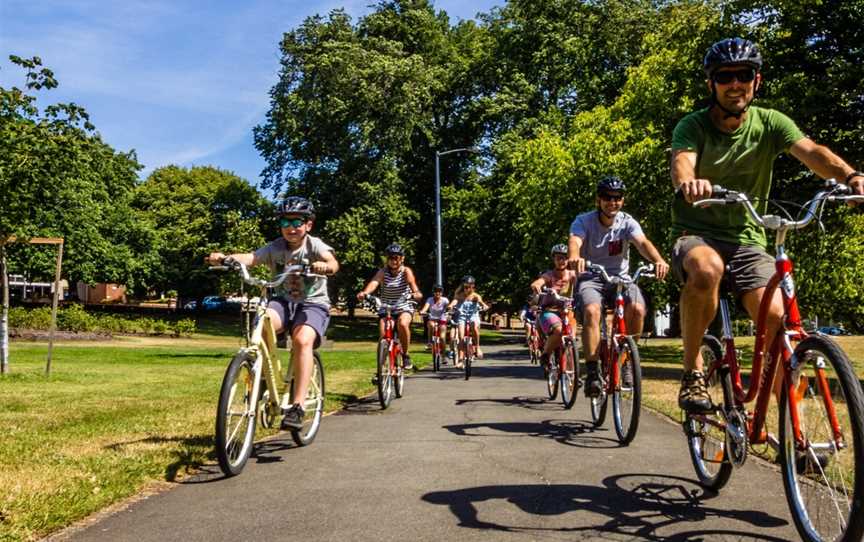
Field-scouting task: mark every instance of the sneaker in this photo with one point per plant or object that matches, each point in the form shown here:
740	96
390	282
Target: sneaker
544	362
593	385
293	419
451	354
693	397
406	362
627	375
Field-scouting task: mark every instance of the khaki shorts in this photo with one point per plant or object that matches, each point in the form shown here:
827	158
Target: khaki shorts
747	267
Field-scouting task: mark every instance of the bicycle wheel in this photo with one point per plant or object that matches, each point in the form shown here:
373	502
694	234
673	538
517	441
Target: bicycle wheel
313	405
600	403
385	382
235	415
627	400
469	357
824	483
706	433
569	375
436	355
399	377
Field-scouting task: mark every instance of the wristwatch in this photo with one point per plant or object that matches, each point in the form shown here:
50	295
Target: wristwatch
852	176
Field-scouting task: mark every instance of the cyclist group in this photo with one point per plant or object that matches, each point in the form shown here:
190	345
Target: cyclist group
730	142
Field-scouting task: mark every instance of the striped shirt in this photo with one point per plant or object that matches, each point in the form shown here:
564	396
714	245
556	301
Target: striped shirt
395	288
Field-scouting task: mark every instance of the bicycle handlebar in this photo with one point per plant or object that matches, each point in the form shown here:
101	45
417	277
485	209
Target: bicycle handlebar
295	270
376	303
644	270
833	192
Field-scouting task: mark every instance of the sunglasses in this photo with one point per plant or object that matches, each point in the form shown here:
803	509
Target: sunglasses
743	76
609	197
291	222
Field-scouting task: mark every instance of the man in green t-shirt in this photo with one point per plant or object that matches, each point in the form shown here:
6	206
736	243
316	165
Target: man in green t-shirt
734	145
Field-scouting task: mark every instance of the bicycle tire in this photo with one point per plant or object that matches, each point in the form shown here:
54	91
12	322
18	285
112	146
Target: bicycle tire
469	357
569	377
626	405
708	448
838	484
234	441
600	404
436	355
313	405
399	377
385	382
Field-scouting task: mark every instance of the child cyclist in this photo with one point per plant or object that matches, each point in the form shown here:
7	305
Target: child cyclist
300	304
562	280
436	308
397	284
468	305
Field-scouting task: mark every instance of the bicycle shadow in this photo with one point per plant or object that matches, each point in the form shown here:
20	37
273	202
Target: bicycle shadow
578	433
185	458
639	507
530	403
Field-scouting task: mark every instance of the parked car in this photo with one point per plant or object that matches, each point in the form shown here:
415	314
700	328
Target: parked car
213	302
833	330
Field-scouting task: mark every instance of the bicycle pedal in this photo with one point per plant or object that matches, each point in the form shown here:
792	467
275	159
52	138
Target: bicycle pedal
374	380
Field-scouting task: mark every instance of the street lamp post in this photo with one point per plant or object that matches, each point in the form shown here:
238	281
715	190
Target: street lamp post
439	275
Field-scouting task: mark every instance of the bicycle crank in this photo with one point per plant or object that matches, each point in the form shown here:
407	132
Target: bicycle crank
736	436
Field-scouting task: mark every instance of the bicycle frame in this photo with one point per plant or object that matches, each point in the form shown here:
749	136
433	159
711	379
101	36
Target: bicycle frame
781	348
393	346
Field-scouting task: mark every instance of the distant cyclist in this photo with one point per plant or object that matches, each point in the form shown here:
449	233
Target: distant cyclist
528	315
468	304
397	284
436	309
562	280
733	144
301	304
603	236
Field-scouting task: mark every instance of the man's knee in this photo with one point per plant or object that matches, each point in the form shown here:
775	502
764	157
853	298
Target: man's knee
592	314
637	310
704	269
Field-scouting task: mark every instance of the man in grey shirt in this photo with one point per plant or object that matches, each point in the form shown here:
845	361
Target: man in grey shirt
603	237
300	304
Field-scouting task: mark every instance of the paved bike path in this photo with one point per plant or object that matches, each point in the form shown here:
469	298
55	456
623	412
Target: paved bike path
486	459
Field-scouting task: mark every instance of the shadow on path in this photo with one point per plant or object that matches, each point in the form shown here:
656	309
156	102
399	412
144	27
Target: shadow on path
579	433
634	505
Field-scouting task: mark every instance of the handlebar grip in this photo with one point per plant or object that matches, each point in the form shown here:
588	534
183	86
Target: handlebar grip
218	268
718	191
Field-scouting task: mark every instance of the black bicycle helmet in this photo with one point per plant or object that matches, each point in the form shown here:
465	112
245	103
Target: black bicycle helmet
296	205
732	51
560	248
394	249
437	288
610	184
467	279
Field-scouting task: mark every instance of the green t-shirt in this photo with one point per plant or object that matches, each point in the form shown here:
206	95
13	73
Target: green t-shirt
741	161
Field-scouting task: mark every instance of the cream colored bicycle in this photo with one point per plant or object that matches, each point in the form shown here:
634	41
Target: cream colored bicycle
253	387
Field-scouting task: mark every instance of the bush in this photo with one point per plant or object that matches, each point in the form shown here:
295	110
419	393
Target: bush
75	318
21	318
160	327
185	327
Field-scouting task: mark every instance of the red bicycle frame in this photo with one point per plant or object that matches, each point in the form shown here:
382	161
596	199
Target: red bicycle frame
393	346
437	341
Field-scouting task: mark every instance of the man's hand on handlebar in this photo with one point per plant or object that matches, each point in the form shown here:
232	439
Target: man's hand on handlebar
576	264
661	269
215	258
695	189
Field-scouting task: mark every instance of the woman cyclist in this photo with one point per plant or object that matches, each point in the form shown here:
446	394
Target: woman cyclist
468	305
398	285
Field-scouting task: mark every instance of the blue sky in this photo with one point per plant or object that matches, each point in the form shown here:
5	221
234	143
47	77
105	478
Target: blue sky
180	82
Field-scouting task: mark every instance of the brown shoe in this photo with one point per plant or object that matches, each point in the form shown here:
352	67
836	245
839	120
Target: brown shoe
693	397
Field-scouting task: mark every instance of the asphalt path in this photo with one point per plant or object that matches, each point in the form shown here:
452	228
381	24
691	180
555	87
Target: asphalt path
486	459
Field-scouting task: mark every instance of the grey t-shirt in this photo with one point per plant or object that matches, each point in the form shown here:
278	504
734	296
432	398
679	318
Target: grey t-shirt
610	246
277	256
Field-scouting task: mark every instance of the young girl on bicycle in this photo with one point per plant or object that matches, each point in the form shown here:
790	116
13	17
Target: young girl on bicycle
468	305
436	308
562	280
301	304
397	284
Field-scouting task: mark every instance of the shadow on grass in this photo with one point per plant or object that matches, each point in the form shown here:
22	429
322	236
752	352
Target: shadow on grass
188	457
635	505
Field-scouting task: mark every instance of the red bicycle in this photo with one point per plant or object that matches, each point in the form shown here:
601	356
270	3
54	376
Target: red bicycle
620	370
437	343
389	377
535	347
563	367
466	344
821	410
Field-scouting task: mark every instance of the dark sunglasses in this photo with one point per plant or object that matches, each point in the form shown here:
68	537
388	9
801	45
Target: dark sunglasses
609	197
743	76
285	222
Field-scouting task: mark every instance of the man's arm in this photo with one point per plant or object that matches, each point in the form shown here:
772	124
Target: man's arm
538	284
574	248
648	251
369	288
328	265
246	258
683	171
823	162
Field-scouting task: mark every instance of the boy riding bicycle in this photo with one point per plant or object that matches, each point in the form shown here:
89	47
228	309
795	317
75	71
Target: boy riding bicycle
301	304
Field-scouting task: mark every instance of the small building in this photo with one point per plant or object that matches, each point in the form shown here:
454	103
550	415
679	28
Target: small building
101	292
21	288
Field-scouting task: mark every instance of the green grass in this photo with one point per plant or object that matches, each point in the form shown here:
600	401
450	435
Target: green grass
110	421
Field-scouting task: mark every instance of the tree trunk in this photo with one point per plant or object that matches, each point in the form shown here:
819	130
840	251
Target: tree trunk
4	314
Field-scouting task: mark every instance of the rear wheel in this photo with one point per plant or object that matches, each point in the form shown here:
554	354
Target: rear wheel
823	480
627	399
313	405
569	377
385	381
706	433
236	413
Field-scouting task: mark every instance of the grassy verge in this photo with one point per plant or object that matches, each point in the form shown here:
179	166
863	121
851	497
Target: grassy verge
112	420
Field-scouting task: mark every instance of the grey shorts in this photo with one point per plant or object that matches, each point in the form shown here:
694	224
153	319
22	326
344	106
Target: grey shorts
315	316
747	267
594	292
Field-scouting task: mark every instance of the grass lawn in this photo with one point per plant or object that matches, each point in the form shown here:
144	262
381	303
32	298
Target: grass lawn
116	417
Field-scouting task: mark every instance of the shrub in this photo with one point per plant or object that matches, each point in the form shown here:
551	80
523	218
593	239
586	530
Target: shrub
185	326
75	318
160	327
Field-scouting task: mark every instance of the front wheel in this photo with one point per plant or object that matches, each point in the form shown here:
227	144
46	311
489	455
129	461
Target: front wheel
313	405
385	380
399	377
706	433
600	403
436	354
569	377
235	415
627	392
822	475
469	357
